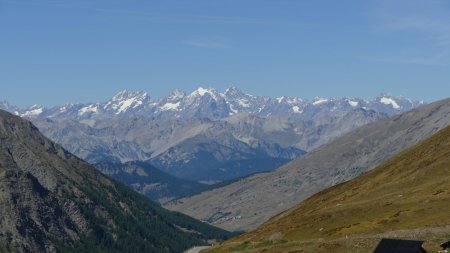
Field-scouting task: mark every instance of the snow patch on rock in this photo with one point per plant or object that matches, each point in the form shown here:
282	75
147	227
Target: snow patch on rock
296	109
88	109
33	111
389	101
170	106
353	103
320	101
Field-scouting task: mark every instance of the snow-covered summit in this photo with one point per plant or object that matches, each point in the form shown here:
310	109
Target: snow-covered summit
389	101
126	100
200	92
32	111
397	102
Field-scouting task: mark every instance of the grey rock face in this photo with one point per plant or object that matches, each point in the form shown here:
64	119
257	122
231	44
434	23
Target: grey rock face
251	201
31	189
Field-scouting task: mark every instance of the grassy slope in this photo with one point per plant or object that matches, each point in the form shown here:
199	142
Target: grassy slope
406	196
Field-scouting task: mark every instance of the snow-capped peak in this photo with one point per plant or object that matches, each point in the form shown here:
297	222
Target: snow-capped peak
124	95
126	100
200	92
396	102
33	111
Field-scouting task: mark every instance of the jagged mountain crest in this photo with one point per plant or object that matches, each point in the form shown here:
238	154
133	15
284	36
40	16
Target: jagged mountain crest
234	91
126	100
206	134
200	92
210	103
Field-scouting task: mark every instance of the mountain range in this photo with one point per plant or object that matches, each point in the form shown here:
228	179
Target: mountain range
209	103
206	135
52	201
249	202
404	197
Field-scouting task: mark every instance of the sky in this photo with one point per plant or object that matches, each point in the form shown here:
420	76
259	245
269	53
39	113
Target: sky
58	51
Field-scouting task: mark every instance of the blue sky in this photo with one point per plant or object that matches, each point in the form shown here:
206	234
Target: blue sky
57	51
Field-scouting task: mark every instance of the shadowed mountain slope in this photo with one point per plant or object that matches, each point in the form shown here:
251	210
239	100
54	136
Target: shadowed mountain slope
251	201
150	181
51	201
407	196
194	149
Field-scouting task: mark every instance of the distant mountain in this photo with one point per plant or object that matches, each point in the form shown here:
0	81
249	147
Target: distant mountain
249	202
150	181
6	106
206	135
196	149
211	104
407	196
51	201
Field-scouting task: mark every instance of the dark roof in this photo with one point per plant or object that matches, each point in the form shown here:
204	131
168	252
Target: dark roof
446	245
399	246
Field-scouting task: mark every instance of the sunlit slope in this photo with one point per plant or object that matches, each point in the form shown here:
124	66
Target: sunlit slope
406	196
